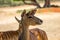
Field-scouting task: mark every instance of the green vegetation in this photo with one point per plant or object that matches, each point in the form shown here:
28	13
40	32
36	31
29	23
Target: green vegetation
4	3
20	11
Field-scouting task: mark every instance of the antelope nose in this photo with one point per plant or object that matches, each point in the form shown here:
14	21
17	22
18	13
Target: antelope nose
41	21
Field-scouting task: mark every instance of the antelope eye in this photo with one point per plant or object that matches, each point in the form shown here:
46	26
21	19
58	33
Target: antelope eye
30	17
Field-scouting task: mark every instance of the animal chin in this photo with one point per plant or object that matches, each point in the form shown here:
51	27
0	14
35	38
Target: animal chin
33	24
39	23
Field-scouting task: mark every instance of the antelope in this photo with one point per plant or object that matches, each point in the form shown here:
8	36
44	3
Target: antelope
40	34
28	19
10	35
14	35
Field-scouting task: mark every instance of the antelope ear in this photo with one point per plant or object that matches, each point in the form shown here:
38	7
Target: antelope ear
32	12
23	13
17	19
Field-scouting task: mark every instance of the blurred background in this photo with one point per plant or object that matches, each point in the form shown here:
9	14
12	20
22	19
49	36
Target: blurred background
50	16
4	3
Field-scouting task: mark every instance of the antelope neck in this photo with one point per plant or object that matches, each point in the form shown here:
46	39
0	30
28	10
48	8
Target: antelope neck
25	31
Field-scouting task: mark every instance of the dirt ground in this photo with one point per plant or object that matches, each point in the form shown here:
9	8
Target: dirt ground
51	20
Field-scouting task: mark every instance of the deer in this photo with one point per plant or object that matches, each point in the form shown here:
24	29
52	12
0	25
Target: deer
10	35
39	34
28	19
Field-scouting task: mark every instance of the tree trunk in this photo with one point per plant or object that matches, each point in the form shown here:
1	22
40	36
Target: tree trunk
34	3
47	3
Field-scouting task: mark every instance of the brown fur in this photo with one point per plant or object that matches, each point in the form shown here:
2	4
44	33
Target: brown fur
10	35
34	34
23	31
40	34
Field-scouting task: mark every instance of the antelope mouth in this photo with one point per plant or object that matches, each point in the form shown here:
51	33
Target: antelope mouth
40	22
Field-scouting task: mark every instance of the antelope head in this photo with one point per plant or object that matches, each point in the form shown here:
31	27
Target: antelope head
29	18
